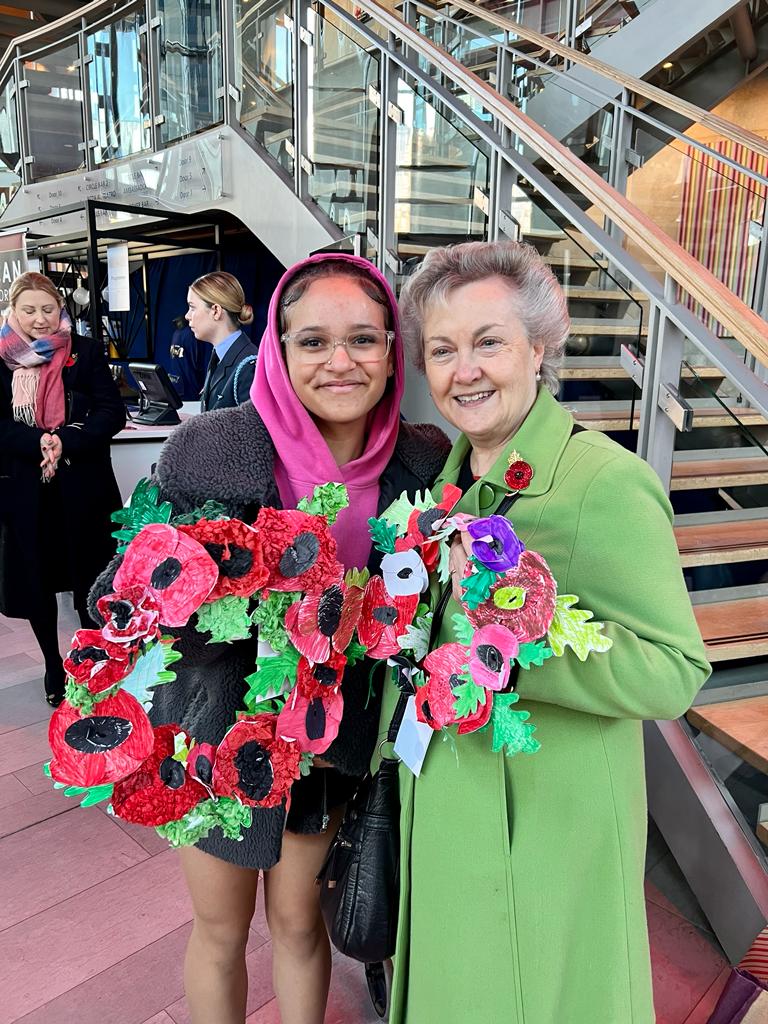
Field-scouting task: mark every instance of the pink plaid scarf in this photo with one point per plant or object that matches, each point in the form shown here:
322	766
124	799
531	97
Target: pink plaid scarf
36	365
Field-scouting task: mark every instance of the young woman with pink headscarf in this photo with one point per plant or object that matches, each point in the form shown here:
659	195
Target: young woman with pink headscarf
325	407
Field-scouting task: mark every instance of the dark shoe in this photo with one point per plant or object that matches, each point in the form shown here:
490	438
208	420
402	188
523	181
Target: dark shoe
377	987
54	699
54	688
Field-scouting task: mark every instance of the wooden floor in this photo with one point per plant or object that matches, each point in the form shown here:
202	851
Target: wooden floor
94	915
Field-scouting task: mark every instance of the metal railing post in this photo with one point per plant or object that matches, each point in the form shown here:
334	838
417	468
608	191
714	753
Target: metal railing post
386	255
302	40
230	91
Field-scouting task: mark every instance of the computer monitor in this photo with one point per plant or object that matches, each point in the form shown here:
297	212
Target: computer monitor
158	398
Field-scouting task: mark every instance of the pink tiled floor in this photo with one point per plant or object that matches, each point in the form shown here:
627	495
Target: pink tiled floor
94	915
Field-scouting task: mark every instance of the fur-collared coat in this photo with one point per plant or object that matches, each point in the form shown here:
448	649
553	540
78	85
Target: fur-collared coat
228	456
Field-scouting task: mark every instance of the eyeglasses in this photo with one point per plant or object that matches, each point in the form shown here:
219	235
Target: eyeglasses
314	347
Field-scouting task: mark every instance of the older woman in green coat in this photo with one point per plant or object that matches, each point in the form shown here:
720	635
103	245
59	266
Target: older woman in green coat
522	878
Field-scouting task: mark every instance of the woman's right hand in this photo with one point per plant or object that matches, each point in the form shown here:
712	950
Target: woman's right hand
461	549
50	446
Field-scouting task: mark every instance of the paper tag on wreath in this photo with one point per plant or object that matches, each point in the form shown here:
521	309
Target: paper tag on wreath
412	739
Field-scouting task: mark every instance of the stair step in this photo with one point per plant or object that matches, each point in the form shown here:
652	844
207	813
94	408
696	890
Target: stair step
737	539
733	626
576	291
615	415
727	467
610	368
616	328
740	726
564	259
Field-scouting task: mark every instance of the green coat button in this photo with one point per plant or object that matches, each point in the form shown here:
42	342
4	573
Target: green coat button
487	497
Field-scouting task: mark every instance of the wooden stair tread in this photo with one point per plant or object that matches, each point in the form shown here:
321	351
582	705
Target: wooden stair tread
726	472
615	416
610	368
739	725
707	543
593	327
734	629
575	291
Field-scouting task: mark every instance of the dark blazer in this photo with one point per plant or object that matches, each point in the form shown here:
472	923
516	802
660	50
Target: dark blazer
80	499
237	366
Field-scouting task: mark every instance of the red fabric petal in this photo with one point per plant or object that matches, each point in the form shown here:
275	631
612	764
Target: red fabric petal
280	529
231	535
284	758
293	722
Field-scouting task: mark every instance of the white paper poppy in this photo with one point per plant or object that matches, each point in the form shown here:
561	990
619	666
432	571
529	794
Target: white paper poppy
404	573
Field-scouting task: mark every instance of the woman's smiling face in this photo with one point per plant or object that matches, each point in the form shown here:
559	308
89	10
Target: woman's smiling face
480	366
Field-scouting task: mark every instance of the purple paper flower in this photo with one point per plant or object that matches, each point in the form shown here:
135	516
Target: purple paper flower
496	545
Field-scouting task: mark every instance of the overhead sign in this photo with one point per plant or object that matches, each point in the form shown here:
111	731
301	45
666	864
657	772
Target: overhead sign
13	260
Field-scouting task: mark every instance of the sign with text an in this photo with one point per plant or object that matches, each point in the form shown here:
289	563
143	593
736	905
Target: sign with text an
13	260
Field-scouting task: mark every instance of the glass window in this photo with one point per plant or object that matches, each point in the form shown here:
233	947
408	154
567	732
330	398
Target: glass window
118	89
9	144
53	101
190	66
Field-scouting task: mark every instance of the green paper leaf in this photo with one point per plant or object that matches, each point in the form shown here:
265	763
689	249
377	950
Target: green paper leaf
511	729
305	764
469	696
443	557
269	617
271	676
91	794
416	637
208	510
151	670
229	815
401	509
142	509
383	535
463	629
80	697
571	627
47	769
355	652
180	748
357	578
226	619
327	500
533	654
477	587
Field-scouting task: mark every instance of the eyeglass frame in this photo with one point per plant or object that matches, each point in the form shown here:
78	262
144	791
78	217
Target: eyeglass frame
337	342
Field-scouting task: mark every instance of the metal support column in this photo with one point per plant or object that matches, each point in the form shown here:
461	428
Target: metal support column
387	258
147	306
303	39
94	284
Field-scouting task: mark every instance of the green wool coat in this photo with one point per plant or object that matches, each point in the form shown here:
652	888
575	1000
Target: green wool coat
522	878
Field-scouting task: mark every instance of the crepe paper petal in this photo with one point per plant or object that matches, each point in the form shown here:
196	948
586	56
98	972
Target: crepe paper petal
463	629
384	619
227	619
327	500
533	654
324	622
230	816
254	764
417	636
273	675
532	620
318	680
142	509
151	670
492	650
571	627
299	551
161	789
312	724
404	573
383	535
519	475
235	547
477	584
269	618
512	732
208	510
91	750
96	662
200	762
496	545
130	616
178	572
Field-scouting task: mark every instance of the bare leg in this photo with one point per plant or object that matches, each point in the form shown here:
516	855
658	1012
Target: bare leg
301	953
224	900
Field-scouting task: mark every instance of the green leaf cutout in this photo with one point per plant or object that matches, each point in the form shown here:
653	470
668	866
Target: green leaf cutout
383	535
402	508
142	509
416	637
469	696
533	654
271	676
571	627
90	794
305	764
80	697
226	619
327	500
355	652
463	629
151	669
477	587
512	732
208	510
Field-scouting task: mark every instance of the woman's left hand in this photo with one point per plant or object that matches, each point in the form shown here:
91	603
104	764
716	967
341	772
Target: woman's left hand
51	448
461	549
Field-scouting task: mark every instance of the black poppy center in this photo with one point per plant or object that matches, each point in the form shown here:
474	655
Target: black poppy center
97	734
496	546
454	681
491	657
121	612
299	556
254	770
426	520
315	719
171	773
426	709
386	614
94	654
325	675
233	561
405	573
329	610
164	574
204	769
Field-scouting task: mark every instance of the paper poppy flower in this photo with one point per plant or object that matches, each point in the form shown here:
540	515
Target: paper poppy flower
299	551
523	600
421	523
235	547
255	765
178	572
325	622
313	680
518	476
96	662
384	619
161	789
481	717
311	722
489	656
90	750
404	573
435	700
200	763
495	543
129	616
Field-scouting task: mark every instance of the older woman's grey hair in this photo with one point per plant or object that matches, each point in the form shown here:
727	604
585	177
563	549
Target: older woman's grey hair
541	305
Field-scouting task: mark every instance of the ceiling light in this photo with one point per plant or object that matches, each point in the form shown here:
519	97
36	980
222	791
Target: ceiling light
667	65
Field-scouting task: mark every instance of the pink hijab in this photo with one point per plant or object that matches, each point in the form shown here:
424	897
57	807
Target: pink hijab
302	458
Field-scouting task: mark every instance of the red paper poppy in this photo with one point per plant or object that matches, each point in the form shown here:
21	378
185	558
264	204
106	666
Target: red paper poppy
178	572
299	551
481	717
311	722
321	678
200	762
96	662
89	750
235	547
518	476
254	765
322	623
384	618
161	789
435	700
421	524
129	616
530	586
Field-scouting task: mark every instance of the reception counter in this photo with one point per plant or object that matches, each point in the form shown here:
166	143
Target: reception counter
137	448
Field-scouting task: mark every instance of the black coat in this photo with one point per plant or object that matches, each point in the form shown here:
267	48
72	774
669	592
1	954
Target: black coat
230	382
228	456
65	522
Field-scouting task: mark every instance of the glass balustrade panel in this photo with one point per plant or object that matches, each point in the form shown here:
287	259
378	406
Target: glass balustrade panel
118	88
10	155
53	103
264	75
190	66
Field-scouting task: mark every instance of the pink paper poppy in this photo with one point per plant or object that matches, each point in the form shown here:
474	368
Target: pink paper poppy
254	765
129	616
312	723
435	700
523	600
384	618
489	663
96	662
178	572
299	551
322	623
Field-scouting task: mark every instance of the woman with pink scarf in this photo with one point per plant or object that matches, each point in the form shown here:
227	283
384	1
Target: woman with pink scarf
325	407
59	409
